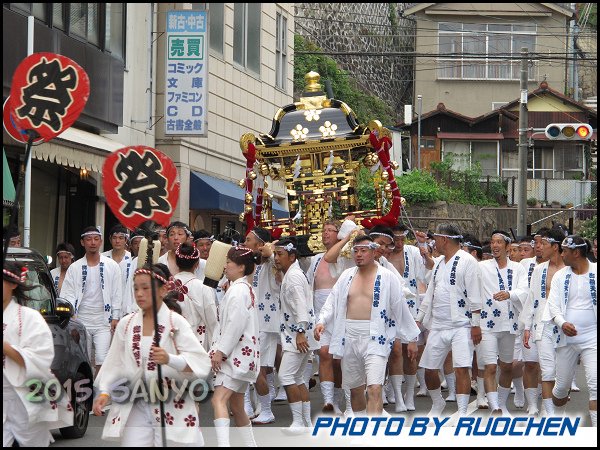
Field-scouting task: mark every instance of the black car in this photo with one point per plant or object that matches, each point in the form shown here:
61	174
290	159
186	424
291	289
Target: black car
71	364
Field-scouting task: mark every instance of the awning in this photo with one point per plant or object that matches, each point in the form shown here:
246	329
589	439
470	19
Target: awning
208	192
77	148
8	187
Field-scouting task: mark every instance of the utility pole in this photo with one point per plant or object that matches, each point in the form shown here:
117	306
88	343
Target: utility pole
523	148
419	107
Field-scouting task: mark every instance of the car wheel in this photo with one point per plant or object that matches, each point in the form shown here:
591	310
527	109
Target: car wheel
81	412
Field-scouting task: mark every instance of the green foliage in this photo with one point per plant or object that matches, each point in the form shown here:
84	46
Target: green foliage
589	228
365	189
345	88
465	186
418	187
443	183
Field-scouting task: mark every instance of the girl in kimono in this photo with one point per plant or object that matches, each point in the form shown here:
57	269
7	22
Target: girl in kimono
235	351
197	301
28	351
133	359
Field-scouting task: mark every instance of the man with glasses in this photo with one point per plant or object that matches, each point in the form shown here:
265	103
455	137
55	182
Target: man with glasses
572	309
365	313
93	286
451	312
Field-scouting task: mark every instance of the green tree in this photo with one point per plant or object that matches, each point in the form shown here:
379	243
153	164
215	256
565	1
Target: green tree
345	88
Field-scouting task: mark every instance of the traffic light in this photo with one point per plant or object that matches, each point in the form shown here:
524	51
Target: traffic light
569	131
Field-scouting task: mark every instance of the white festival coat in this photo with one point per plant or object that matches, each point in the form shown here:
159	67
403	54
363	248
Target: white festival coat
199	307
125	361
27	332
556	307
464	286
531	316
74	283
390	317
493	319
237	333
267	290
296	300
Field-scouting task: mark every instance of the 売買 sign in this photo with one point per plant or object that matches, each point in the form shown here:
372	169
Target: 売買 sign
185	93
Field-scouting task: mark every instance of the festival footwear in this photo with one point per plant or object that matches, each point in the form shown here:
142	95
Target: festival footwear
264	418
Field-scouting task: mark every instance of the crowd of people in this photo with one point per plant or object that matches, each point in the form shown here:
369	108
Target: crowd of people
382	316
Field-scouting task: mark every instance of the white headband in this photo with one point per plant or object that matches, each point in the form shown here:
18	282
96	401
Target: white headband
505	237
382	234
551	240
468	244
568	243
91	233
257	236
456	236
370	245
288	247
404	233
210	238
64	251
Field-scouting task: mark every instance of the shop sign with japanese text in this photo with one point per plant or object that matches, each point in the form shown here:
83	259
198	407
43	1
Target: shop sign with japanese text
185	93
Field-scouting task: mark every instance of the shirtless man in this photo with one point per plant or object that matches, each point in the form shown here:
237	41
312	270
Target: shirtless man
366	312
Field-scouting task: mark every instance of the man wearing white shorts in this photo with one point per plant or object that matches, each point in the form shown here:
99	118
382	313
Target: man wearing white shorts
572	307
413	267
504	290
93	286
450	311
321	281
296	331
267	297
366	313
538	351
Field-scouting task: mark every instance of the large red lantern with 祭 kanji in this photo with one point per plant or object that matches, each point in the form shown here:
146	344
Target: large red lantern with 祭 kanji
48	93
140	183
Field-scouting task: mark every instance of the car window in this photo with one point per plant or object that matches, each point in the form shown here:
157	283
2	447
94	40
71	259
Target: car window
41	292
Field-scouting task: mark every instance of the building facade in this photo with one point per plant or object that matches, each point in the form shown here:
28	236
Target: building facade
121	47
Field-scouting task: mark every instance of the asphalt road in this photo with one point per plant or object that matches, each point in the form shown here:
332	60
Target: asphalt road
272	434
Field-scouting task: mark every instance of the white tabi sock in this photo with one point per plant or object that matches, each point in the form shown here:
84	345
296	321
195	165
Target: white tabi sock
397	385
222	430
519	399
438	402
327	392
531	394
271	384
409	396
306	414
462	401
247	435
594	418
503	394
492	398
451	382
548	407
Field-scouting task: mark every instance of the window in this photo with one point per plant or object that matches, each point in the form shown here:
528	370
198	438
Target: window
563	161
483	51
281	59
98	24
465	154
115	29
246	35
216	20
